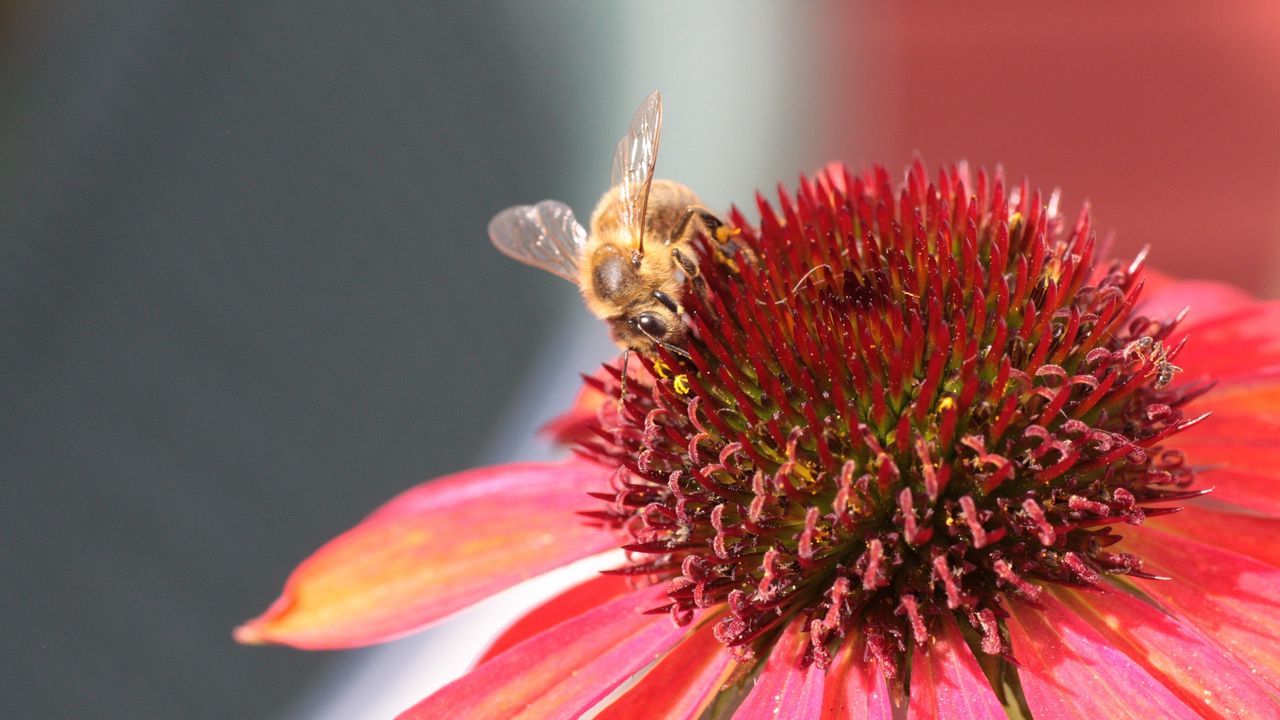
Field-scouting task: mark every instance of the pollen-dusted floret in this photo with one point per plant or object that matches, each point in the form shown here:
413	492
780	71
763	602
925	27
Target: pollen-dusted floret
907	403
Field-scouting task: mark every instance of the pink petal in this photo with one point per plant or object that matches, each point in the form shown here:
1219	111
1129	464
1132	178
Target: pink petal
1188	663
683	683
1153	280
563	671
568	604
1233	599
946	681
1164	297
1237	452
1068	670
855	689
1234	346
434	550
785	689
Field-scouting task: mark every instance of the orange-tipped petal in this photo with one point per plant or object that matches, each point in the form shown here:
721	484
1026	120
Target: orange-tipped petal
683	683
563	671
1233	598
432	551
1188	663
946	681
1252	400
1069	671
568	604
786	689
855	689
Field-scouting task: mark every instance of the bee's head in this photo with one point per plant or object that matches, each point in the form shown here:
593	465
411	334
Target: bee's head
656	320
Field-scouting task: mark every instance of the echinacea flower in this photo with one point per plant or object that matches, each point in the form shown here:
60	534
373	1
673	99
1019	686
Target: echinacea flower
925	455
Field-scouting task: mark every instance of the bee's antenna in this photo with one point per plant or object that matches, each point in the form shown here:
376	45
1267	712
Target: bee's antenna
674	350
669	347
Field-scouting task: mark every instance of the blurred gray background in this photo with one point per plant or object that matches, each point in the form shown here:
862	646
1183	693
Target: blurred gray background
247	296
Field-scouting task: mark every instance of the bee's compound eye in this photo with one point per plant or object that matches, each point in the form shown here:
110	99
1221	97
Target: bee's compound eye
650	325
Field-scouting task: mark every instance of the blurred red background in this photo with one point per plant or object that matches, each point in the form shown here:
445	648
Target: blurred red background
1166	117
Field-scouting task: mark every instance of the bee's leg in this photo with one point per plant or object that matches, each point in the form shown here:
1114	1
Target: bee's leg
724	249
622	394
710	221
689	267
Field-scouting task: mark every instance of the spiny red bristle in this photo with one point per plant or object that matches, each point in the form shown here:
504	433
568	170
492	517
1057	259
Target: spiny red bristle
900	404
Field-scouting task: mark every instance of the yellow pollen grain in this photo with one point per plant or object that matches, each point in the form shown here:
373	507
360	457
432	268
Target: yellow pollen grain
681	384
723	233
661	368
946	403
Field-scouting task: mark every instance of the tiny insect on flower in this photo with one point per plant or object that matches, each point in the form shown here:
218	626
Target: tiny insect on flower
917	451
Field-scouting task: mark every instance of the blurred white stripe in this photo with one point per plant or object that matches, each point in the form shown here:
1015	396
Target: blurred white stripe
736	83
742	83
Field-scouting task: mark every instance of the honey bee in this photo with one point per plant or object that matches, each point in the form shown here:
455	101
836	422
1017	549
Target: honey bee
632	266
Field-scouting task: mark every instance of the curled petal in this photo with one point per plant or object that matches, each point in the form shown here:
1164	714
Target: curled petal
1069	670
683	683
786	689
1187	662
432	551
563	671
575	423
946	681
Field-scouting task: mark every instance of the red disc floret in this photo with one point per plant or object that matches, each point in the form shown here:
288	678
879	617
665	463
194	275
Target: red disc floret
897	403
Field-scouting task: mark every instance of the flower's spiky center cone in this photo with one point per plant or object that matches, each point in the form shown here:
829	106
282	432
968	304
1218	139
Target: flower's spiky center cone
896	405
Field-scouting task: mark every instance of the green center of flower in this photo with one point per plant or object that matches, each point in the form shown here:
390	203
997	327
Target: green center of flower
896	405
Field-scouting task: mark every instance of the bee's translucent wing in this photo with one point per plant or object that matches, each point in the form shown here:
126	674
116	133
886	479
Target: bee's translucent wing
546	236
633	163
